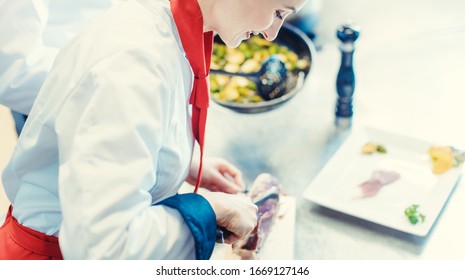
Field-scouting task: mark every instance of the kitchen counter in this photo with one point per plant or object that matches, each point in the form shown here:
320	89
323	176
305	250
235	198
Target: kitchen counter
409	64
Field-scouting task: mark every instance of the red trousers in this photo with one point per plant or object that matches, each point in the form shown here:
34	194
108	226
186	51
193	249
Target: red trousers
18	242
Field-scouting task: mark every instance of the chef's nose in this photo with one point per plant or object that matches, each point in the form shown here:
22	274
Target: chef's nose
273	30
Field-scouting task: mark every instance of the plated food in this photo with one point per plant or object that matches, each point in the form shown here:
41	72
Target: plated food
413	214
445	158
378	179
389	185
371	148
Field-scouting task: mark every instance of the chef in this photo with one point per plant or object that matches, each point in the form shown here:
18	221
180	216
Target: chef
110	138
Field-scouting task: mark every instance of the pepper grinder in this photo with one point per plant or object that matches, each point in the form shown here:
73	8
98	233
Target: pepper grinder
345	82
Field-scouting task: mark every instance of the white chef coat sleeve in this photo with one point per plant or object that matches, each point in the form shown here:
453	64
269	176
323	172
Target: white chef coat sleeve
110	130
24	59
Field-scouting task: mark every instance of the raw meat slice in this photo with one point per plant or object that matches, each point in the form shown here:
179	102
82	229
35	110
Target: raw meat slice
379	178
265	193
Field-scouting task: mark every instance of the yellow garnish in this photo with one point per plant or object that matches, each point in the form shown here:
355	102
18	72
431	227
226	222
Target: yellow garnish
370	148
442	157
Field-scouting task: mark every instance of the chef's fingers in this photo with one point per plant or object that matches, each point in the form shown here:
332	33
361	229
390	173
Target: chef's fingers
231	239
222	176
236	214
216	182
233	173
225	184
241	220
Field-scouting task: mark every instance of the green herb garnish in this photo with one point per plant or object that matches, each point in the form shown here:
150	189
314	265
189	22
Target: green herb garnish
381	149
413	215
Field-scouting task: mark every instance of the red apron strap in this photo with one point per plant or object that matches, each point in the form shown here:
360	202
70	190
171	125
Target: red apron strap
20	242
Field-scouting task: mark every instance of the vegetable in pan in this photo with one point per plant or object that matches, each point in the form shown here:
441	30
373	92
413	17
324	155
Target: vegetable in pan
247	58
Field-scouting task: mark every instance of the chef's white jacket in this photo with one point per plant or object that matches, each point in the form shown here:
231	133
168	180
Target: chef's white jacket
108	137
31	33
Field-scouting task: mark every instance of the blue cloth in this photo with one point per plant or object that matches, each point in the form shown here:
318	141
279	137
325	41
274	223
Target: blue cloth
199	217
20	120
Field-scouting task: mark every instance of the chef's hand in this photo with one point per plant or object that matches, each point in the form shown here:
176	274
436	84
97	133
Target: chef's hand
218	175
235	213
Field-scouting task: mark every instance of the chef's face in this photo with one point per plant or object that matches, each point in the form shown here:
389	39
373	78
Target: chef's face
236	20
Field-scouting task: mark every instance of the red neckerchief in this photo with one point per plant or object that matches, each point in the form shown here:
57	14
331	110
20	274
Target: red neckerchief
198	47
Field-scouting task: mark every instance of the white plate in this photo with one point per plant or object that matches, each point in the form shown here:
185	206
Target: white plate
336	186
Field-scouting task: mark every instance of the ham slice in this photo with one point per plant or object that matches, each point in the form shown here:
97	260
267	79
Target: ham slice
265	193
379	178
